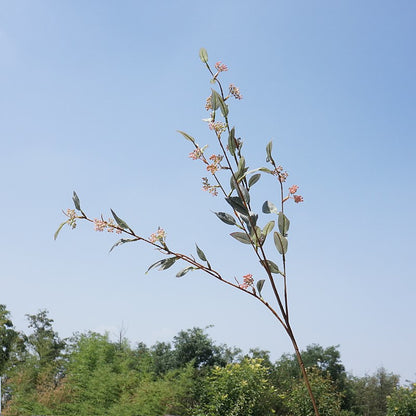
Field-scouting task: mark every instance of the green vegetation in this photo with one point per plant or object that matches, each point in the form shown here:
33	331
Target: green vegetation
89	374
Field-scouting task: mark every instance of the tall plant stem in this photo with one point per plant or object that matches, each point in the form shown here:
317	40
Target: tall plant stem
302	367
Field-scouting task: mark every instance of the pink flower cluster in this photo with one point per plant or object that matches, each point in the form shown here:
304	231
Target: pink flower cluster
218	126
248	281
208	105
72	215
209	188
101	225
160	235
292	190
280	174
215	166
235	92
196	154
220	67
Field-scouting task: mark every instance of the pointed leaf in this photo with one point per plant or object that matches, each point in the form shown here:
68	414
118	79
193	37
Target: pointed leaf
242	237
254	179
76	201
187	136
280	242
260	284
240	168
227	218
267	228
231	142
218	102
215	102
237	204
200	253
163	264
269	151
122	241
119	221
158	263
55	236
169	262
283	224
272	266
185	270
203	54
246	194
268	207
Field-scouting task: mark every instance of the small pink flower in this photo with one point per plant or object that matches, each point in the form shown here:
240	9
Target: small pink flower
235	92
212	168
216	158
217	126
221	67
100	225
160	235
248	279
208	105
293	189
196	154
298	198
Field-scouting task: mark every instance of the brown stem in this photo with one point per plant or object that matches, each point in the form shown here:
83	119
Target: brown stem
302	368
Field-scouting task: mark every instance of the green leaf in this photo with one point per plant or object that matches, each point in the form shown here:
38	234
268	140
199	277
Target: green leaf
280	242
218	102
215	99
227	218
267	228
272	266
76	201
203	54
119	221
245	193
240	167
269	151
268	207
200	253
283	224
237	204
253	179
163	264
231	142
122	241
255	234
185	270
241	237
187	136
55	236
158	263
259	285
266	170
168	263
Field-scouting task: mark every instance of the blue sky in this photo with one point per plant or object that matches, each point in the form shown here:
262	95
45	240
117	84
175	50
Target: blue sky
92	94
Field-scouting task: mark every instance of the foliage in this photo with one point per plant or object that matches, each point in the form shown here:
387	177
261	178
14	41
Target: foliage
8	337
188	376
402	402
238	389
369	393
327	398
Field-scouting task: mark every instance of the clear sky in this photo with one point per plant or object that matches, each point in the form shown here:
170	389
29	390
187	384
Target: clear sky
92	94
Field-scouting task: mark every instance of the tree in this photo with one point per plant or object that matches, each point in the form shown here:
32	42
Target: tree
238	389
402	402
44	341
369	393
8	338
327	397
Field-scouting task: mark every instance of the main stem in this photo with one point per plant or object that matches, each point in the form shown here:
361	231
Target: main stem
302	367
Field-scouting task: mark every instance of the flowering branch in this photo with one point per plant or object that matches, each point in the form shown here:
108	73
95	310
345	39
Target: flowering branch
229	160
